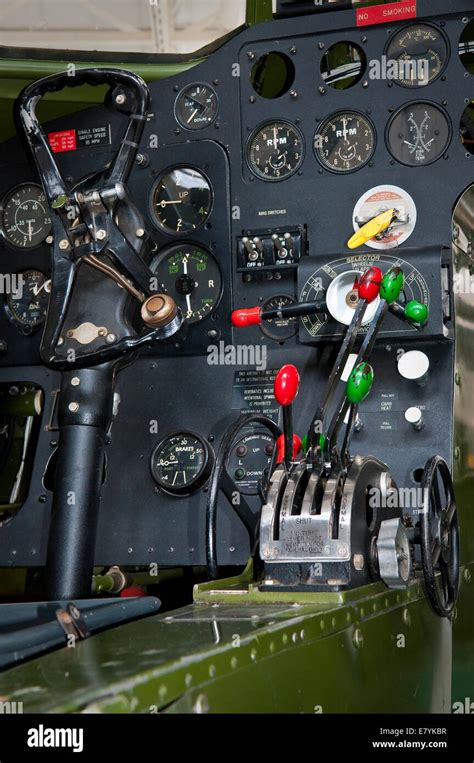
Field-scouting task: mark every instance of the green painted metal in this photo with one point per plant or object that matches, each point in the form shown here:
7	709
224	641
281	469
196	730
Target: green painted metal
392	285
235	650
417	312
463	656
258	11
360	383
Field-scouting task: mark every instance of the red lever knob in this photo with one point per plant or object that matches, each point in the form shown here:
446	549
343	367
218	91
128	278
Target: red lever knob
251	316
280	446
370	283
287	385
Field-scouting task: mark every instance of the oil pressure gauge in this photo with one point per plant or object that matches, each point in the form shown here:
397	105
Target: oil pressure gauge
181	463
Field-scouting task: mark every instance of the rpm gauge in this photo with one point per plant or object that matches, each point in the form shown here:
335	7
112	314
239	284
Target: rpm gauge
419	134
26	220
420	53
345	142
191	275
275	151
27	304
196	107
181	200
181	463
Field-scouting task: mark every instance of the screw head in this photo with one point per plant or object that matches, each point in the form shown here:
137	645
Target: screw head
101	234
75	382
120	99
64	244
73	407
140	233
111	339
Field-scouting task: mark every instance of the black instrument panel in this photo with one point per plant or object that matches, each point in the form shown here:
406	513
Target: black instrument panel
227	157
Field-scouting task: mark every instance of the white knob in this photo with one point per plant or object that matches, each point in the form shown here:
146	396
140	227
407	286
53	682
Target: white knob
415	417
414	365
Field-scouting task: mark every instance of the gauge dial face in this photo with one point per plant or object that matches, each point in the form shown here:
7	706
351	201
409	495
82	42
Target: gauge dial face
421	54
191	275
182	200
318	287
26	220
28	302
196	107
275	151
282	328
419	134
181	463
345	142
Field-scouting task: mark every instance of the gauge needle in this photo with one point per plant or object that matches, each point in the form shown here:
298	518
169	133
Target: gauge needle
196	111
46	286
30	229
164	204
275	135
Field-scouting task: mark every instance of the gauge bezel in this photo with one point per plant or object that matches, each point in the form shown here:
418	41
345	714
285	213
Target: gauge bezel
416	103
254	133
166	251
415	24
26	329
3	233
329	119
200	480
181	95
266	330
154	217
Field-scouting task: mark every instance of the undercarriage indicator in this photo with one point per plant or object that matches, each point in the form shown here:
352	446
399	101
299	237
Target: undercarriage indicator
86	137
386	14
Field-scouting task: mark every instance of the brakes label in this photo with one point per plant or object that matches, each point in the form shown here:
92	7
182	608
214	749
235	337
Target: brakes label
384	14
85	137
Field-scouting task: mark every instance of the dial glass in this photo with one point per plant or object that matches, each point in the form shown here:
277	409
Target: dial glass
197	107
26	220
345	142
191	275
275	151
420	53
279	328
419	134
182	200
28	301
181	463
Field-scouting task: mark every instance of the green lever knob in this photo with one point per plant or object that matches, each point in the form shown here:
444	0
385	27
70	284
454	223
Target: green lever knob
416	312
392	285
360	383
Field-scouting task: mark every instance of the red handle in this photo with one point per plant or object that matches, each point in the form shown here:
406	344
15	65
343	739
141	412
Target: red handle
370	283
287	384
280	446
251	316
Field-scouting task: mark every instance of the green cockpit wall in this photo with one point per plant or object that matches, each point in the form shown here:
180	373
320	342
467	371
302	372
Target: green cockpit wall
19	66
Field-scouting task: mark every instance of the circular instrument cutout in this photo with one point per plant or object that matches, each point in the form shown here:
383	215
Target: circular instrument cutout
343	65
272	75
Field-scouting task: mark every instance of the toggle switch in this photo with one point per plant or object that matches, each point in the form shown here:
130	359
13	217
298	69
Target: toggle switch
281	251
252	253
415	417
414	366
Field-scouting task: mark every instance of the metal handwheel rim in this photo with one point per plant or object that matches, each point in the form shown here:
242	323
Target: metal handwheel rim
442	584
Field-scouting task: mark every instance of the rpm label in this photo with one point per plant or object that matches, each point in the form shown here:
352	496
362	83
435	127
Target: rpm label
381	199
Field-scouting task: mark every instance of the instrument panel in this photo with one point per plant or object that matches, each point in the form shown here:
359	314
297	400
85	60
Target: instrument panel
255	169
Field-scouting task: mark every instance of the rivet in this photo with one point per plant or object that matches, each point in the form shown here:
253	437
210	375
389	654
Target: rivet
75	382
406	617
358	639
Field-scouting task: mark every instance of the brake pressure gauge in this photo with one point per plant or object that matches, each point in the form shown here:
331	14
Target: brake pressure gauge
181	463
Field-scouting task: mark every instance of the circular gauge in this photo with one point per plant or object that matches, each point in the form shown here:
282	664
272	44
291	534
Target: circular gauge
345	142
279	328
420	53
196	107
191	275
181	463
336	281
28	302
181	200
26	220
249	460
275	151
419	134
